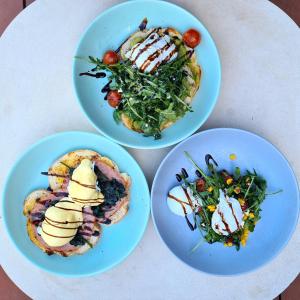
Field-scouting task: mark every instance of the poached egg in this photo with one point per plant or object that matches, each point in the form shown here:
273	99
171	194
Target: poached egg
152	52
61	222
181	201
228	216
82	186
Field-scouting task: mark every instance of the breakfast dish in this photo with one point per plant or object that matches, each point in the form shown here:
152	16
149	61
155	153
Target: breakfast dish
86	190
224	206
153	77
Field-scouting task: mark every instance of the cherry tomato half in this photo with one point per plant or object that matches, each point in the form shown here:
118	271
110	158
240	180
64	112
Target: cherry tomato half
110	57
114	98
191	38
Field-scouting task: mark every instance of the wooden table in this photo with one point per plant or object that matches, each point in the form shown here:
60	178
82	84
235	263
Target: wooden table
8	10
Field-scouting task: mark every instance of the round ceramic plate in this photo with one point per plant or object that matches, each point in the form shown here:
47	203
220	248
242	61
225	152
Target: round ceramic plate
117	241
279	212
108	31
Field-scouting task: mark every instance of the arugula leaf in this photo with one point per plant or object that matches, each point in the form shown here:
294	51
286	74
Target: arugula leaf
150	100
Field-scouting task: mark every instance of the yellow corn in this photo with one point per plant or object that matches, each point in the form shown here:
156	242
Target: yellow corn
229	181
232	156
210	189
245	236
228	244
241	201
251	215
211	208
245	217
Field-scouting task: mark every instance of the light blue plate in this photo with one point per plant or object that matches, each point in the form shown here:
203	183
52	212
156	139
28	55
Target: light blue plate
279	212
108	31
117	241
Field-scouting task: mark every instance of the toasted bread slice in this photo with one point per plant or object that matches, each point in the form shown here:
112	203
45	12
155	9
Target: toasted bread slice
121	212
193	69
35	202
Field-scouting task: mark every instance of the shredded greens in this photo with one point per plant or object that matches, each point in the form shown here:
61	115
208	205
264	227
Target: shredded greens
151	101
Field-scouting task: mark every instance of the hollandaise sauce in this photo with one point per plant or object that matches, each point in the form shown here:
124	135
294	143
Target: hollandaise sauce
61	222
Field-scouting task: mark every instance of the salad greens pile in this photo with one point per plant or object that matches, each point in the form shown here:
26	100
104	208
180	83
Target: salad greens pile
151	101
249	189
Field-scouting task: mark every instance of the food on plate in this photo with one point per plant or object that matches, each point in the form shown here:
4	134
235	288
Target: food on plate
224	206
191	38
153	77
37	207
85	191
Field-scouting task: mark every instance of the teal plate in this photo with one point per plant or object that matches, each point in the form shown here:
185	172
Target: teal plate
117	241
108	31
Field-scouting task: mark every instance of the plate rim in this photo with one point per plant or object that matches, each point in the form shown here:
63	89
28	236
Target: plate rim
138	145
293	229
8	177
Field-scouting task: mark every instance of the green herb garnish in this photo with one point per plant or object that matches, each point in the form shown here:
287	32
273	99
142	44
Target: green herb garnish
151	101
249	189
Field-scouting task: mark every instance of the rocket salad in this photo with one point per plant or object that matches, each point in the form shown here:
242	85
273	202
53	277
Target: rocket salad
225	206
152	78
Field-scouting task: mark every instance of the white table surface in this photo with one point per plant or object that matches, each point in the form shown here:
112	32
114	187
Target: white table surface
259	48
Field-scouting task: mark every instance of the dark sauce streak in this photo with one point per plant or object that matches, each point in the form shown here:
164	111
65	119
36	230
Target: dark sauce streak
143	25
57	236
224	222
188	197
184	173
87	200
178	177
179	201
65	176
106	88
236	221
152	57
61	227
70	222
96	75
191	226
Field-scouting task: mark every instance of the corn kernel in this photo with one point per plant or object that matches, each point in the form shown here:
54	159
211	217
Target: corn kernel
251	215
244	236
229	181
241	201
211	208
210	189
245	217
232	156
228	244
